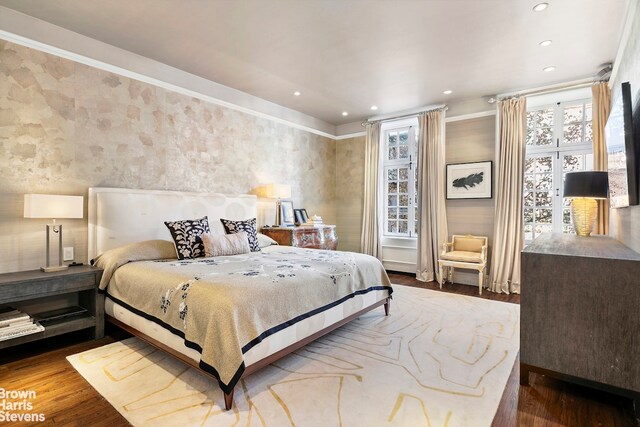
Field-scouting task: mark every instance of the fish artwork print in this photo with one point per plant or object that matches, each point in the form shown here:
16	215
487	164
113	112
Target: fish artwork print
469	181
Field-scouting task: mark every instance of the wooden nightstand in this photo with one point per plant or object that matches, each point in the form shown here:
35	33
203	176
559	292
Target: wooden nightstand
322	237
36	288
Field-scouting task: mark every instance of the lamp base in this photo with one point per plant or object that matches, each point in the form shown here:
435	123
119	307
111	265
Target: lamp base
583	215
54	268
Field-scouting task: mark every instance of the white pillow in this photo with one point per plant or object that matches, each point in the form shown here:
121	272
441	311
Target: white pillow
225	244
264	241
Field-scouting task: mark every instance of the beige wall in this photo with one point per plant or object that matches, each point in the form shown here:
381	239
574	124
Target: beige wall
65	127
471	141
349	192
625	223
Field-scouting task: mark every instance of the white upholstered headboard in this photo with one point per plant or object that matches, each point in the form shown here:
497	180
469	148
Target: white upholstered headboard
118	216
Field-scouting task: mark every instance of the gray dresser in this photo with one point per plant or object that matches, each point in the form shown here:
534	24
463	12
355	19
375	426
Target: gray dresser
580	312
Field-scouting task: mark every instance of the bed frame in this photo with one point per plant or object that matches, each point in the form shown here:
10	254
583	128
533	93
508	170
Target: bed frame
120	216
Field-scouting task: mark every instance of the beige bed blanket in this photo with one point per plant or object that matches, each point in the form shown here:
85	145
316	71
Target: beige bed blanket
223	306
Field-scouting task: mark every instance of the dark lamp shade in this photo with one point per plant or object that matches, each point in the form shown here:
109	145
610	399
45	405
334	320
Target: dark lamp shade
594	185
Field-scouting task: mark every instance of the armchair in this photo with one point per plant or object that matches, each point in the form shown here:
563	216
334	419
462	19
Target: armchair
468	252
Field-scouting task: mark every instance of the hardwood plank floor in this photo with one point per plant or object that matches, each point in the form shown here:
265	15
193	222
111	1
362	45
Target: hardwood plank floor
67	399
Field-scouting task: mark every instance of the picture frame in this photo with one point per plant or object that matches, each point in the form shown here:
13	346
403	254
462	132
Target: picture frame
287	216
298	216
305	215
472	180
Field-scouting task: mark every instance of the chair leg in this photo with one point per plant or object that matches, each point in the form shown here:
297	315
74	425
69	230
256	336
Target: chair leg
451	275
480	280
441	278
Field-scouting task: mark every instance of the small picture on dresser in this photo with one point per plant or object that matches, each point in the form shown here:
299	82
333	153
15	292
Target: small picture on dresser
286	213
305	216
298	215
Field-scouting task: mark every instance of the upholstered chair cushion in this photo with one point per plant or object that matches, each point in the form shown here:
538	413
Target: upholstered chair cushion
462	256
468	244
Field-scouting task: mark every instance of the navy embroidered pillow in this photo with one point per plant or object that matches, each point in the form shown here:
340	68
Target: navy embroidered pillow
248	225
187	236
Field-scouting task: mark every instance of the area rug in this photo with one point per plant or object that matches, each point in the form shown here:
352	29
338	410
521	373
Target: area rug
439	360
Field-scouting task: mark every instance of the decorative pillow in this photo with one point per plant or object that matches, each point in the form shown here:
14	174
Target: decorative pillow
248	225
187	236
226	244
264	241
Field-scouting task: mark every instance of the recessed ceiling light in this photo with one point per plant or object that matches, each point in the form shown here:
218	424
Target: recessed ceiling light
540	7
344	113
296	93
448	92
545	43
373	107
547	69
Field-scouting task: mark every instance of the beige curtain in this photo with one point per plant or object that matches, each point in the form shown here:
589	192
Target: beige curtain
432	213
601	108
370	242
508	235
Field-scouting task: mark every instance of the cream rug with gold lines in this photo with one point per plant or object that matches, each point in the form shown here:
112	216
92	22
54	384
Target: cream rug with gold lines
439	360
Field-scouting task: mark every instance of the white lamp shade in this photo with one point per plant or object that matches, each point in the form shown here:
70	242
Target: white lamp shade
53	206
279	191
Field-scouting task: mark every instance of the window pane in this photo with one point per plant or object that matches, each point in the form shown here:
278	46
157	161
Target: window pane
528	198
573	114
392	227
571	163
543	164
588	132
404	213
529	164
404	174
393	138
404	137
566	216
392	213
392	201
528	182
531	136
528	232
403	227
392	174
539	229
528	215
544	216
588	115
544	181
544	198
404	200
404	151
393	153
544	136
404	187
546	117
573	133
567	229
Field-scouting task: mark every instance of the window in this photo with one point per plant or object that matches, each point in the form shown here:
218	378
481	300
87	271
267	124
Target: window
559	140
400	151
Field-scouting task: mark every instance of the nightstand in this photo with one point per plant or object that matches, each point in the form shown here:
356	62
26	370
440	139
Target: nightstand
36	288
320	237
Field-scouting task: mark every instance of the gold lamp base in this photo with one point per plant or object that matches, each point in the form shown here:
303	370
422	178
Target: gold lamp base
583	215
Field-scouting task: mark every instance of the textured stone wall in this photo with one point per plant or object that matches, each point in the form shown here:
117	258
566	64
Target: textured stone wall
65	127
349	191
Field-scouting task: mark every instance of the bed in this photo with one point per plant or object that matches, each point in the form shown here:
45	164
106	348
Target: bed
228	316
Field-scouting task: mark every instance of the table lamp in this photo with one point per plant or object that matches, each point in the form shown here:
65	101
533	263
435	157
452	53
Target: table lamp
279	191
583	188
53	207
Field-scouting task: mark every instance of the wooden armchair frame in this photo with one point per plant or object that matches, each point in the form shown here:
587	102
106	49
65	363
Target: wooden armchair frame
450	265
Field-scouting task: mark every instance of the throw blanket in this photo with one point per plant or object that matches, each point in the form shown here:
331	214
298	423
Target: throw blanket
223	306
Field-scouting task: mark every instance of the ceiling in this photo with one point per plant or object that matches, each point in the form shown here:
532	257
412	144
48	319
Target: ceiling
347	55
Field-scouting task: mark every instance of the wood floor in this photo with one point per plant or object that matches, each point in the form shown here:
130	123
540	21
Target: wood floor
67	399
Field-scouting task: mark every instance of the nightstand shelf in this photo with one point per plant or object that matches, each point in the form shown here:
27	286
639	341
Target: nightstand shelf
17	289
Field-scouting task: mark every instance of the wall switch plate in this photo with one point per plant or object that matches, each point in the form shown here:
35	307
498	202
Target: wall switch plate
67	254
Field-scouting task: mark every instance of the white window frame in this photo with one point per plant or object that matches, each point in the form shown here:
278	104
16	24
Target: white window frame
557	151
412	126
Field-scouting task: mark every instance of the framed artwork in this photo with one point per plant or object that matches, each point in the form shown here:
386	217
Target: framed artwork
287	217
298	215
305	216
470	180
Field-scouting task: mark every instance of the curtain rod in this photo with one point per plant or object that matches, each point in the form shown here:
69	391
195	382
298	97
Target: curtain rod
548	89
404	116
